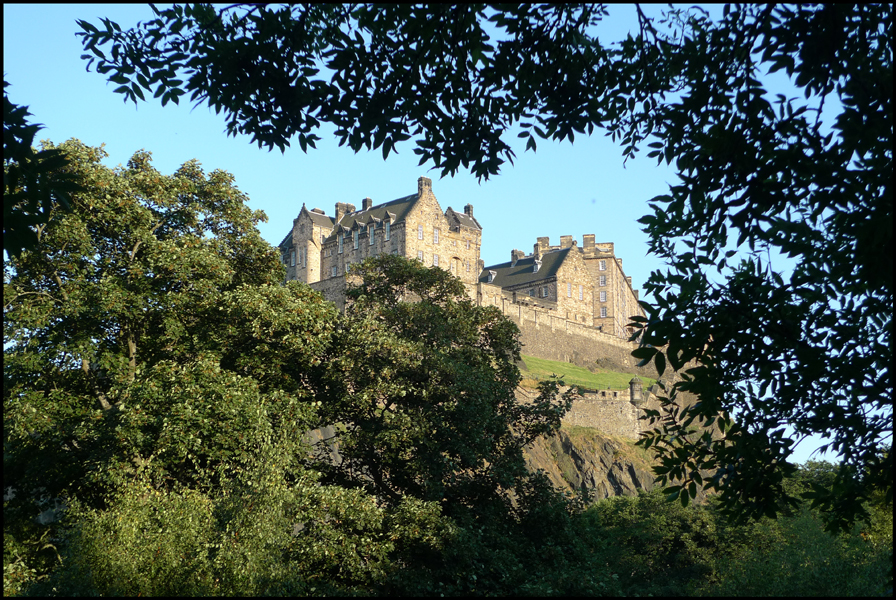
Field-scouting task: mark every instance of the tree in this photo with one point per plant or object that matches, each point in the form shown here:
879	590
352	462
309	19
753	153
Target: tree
423	386
161	381
810	350
32	181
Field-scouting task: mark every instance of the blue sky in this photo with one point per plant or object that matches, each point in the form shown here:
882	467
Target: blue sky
562	189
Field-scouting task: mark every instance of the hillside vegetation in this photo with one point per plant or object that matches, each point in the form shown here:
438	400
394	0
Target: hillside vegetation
540	368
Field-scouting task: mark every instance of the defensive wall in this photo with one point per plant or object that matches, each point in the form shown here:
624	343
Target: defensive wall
545	334
610	411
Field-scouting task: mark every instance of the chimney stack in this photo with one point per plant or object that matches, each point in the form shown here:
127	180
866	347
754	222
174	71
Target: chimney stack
588	241
516	255
342	209
565	241
366	203
541	246
468	210
424	184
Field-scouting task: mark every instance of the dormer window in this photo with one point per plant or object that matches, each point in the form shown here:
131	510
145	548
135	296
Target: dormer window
491	276
536	266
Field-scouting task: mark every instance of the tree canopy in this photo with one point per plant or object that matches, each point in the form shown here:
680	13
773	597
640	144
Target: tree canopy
761	176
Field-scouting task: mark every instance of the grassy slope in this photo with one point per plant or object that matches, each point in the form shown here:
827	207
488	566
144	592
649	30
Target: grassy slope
540	368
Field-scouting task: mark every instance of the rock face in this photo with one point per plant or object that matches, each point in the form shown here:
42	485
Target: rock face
584	457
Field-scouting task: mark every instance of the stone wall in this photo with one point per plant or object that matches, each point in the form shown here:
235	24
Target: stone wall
546	334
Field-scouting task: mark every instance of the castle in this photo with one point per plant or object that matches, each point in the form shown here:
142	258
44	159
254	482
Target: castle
576	289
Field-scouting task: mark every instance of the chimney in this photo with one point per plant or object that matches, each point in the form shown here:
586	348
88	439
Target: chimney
516	255
468	210
342	209
424	184
366	203
318	211
541	246
565	241
629	280
588	241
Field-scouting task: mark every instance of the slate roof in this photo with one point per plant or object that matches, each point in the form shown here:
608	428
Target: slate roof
316	218
522	272
399	208
321	220
458	218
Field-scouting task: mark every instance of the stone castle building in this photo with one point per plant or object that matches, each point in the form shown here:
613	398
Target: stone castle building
581	286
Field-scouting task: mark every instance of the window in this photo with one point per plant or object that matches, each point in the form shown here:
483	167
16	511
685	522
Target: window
419	232
420	255
370	234
292	258
333	272
544	292
435	260
387	230
568	290
340	243
603	280
602	265
468	265
532	292
603	296
491	276
355	237
435	236
304	257
468	244
581	293
346	267
603	311
452	266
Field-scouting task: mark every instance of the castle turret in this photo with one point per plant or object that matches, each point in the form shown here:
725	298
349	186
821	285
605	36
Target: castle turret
635	390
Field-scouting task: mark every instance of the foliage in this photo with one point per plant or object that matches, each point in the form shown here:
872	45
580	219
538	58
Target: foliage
655	547
810	350
580	376
125	328
32	181
381	74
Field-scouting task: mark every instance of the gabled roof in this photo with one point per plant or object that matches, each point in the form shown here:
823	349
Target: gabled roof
396	211
321	220
523	271
455	218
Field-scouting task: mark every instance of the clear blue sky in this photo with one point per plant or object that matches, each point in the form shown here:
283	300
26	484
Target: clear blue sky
562	189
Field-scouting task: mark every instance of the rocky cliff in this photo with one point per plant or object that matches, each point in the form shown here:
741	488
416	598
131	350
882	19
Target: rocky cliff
579	456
